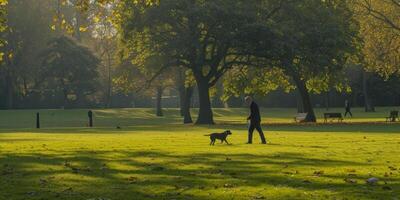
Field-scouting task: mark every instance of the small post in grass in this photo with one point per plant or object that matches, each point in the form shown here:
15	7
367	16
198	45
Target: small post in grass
90	115
37	120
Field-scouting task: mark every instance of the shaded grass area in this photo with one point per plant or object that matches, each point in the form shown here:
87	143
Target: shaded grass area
12	119
157	158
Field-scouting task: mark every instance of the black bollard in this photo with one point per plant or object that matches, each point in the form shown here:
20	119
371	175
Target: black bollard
90	115
37	120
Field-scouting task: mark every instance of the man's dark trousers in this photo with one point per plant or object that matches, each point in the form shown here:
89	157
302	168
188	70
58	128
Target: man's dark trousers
256	125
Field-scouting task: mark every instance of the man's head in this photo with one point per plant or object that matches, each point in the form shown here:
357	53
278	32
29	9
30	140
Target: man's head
248	100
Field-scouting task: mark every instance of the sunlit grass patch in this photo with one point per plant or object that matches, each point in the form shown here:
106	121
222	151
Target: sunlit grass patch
165	160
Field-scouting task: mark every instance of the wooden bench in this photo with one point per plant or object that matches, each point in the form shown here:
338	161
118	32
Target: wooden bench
393	116
333	116
300	117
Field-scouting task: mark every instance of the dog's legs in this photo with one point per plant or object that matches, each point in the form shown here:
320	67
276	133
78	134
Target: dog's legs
226	141
212	142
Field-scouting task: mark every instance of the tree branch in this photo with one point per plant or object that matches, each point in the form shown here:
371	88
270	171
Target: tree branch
381	16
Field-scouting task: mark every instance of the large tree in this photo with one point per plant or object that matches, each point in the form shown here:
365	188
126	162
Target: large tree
185	85
69	69
379	22
105	43
3	24
309	40
199	35
25	36
380	31
132	79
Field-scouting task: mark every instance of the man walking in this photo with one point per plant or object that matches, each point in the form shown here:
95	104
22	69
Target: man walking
255	120
347	108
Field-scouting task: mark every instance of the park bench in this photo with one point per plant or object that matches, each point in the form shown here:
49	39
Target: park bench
300	117
393	116
333	116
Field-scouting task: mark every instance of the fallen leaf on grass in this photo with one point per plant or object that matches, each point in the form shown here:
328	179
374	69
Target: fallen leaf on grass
132	180
192	174
227	185
318	173
68	190
352	175
104	167
350	180
87	169
43	181
67	164
7	169
387	174
259	197
32	193
75	170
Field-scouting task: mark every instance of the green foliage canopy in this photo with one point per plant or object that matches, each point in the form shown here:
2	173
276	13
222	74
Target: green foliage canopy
3	24
380	30
69	68
202	36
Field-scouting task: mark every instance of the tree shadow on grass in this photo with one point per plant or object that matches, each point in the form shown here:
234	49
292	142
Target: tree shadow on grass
317	128
122	174
373	128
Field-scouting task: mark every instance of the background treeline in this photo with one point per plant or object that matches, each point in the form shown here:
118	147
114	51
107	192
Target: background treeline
188	53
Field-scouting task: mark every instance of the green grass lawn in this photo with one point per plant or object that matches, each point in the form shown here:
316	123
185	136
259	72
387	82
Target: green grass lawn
158	158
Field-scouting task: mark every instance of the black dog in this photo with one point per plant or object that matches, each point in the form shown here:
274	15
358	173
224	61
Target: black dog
219	136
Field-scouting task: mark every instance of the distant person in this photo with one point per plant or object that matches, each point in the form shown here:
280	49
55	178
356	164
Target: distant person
347	108
255	120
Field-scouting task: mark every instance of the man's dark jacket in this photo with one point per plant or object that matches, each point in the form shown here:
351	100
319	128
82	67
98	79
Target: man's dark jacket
254	113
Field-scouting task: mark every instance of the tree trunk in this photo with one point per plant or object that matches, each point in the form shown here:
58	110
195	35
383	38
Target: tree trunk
327	95
398	100
182	95
159	111
65	98
109	88
108	92
10	91
65	94
299	103
305	98
180	84
217	102
205	112
187	118
367	101
78	19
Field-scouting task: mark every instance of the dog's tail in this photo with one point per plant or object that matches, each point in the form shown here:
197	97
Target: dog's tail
207	135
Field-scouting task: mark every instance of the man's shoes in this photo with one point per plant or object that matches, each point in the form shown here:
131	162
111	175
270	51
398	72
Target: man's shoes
265	142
